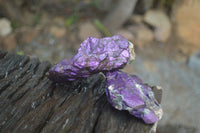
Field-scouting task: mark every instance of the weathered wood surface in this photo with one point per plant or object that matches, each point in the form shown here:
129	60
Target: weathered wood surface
30	102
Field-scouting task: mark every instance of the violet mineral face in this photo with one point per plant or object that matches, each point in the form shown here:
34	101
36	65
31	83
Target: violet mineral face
104	54
94	55
127	92
63	71
109	54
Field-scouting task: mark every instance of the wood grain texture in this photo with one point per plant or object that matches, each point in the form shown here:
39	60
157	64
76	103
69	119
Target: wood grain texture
31	103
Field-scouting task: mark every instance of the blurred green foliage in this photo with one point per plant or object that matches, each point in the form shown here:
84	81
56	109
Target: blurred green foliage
73	19
20	52
14	24
102	28
95	4
36	18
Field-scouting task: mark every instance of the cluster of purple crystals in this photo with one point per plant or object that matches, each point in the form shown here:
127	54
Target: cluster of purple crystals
109	54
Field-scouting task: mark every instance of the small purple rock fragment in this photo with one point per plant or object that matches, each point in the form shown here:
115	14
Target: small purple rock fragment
62	71
127	92
94	55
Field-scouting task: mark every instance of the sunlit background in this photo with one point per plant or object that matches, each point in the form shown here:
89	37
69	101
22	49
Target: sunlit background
166	35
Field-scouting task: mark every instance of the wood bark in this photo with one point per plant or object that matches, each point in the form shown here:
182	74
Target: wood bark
31	103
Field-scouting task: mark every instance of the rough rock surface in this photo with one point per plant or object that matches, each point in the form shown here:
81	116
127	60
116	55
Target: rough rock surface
5	27
181	89
160	21
94	55
143	35
187	19
127	92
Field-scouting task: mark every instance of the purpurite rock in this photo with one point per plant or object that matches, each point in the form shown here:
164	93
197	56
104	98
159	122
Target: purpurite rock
94	55
109	54
127	92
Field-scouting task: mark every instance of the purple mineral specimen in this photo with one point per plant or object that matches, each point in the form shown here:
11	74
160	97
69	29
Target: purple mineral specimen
127	92
93	56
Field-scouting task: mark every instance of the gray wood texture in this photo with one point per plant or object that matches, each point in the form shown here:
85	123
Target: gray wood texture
31	103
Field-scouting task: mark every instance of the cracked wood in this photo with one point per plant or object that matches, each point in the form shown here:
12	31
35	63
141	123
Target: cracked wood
30	102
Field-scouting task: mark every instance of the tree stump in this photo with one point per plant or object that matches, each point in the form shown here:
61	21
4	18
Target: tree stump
31	103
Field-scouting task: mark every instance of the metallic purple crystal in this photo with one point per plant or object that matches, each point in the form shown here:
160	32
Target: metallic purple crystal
127	92
93	56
